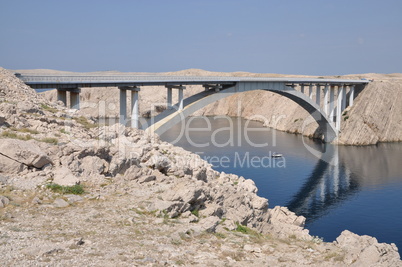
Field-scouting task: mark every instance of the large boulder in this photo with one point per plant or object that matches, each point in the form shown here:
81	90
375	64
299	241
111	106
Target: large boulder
23	152
366	251
64	176
8	165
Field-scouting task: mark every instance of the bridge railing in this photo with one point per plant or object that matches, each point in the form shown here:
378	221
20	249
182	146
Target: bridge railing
174	79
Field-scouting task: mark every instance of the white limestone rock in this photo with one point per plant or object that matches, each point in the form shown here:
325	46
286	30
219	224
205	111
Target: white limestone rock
25	152
64	176
366	251
4	201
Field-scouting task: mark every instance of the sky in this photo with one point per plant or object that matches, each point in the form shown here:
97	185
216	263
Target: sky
311	37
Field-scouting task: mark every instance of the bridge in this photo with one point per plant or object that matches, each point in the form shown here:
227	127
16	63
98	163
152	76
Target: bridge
325	99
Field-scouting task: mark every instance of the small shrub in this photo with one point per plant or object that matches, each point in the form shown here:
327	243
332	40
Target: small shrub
75	189
245	230
46	107
345	118
84	122
63	131
195	212
8	134
24	130
49	140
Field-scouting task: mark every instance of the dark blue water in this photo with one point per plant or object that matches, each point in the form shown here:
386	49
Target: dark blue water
354	188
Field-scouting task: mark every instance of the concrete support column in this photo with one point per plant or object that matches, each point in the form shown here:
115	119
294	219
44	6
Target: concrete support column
326	91
339	107
343	98
331	103
169	98
351	95
318	94
123	106
62	96
302	88
310	91
181	97
134	107
75	98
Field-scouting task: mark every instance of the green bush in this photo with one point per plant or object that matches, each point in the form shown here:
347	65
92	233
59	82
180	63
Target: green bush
75	189
8	134
46	107
49	140
84	122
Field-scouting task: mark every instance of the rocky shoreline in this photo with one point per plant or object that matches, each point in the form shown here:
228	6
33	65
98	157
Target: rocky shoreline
73	193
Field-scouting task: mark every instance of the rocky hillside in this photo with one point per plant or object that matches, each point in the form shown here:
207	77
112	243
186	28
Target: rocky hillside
375	117
74	193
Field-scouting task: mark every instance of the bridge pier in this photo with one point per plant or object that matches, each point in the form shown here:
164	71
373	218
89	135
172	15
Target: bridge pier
326	91
302	88
180	96
134	110
339	107
318	94
75	98
343	98
123	106
351	95
62	96
310	91
331	103
169	98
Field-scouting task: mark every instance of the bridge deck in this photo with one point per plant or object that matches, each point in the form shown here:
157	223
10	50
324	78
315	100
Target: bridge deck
74	81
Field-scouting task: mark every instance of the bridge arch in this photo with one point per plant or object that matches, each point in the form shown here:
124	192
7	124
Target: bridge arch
162	122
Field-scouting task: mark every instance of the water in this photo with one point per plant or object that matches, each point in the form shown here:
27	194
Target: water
363	193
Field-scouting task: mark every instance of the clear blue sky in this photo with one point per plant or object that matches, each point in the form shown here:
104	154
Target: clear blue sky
317	37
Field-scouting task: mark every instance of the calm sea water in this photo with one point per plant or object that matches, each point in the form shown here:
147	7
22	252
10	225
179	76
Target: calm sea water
354	188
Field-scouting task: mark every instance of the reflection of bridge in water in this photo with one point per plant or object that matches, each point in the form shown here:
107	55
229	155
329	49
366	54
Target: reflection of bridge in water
329	184
341	172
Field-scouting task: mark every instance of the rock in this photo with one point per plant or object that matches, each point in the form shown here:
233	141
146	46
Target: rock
366	251
250	248
73	198
4	201
28	107
260	203
2	119
8	165
172	208
248	185
63	176
201	174
146	179
282	215
211	210
209	224
25	152
91	165
60	203
36	200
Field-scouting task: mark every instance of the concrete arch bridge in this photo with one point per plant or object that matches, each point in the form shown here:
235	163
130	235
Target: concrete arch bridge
338	94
